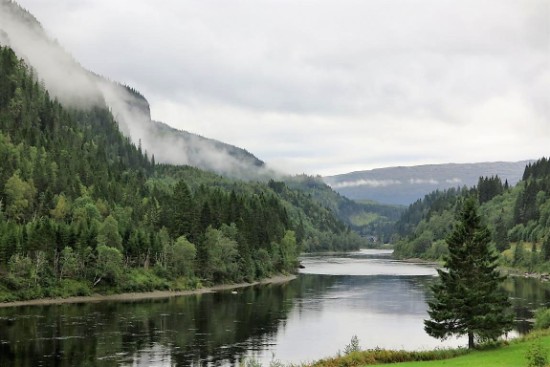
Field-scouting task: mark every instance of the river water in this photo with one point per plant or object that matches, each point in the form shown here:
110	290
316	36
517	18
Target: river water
367	294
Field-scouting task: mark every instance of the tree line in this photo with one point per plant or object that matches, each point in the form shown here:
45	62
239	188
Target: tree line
518	218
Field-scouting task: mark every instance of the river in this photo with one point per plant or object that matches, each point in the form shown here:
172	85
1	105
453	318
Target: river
367	294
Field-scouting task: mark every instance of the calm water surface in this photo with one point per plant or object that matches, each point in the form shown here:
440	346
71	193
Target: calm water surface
367	294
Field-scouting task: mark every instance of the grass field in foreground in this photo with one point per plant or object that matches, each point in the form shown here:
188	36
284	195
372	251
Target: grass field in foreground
513	355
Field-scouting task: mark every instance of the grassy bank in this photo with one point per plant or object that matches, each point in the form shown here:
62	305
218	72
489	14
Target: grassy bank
512	354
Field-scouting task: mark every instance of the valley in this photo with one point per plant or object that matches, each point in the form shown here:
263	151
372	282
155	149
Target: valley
170	196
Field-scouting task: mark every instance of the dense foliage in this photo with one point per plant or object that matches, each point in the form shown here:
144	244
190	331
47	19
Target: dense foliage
518	218
83	209
373	221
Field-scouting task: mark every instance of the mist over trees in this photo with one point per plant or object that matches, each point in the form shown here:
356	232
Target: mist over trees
83	209
75	87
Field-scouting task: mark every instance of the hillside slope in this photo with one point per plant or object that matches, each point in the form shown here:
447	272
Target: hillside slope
22	32
518	218
370	219
83	209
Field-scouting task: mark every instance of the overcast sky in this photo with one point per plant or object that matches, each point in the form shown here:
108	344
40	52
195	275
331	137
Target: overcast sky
328	87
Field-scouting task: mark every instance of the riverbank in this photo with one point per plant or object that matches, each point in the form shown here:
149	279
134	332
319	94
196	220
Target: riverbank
512	355
543	277
145	295
416	260
507	354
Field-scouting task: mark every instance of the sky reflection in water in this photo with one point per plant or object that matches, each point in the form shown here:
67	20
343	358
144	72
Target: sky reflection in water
367	294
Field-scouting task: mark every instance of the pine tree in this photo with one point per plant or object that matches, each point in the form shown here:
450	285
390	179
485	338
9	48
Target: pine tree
501	239
468	299
546	248
182	210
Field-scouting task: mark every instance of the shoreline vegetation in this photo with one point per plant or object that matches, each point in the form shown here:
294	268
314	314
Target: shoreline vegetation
138	296
505	353
506	270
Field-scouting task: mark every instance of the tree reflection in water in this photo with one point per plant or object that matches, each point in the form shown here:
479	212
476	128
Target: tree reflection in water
221	328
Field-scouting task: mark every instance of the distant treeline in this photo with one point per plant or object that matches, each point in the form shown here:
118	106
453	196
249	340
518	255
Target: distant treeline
518	217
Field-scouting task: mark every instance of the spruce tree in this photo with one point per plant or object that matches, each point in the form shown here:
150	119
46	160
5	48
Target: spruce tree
546	248
468	299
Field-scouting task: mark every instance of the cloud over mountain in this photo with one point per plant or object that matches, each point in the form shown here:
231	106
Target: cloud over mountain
326	87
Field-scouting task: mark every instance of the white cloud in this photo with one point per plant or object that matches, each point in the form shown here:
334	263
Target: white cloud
366	182
329	87
454	180
423	181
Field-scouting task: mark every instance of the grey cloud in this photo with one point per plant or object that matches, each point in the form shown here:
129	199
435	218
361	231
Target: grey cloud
437	67
68	81
287	57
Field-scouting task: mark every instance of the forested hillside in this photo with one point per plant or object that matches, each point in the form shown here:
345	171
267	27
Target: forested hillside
372	220
74	86
518	217
85	210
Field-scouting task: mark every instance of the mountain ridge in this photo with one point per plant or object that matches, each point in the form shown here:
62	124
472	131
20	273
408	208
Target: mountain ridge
403	185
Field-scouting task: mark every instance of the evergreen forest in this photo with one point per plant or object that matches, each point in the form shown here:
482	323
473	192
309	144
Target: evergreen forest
84	210
518	218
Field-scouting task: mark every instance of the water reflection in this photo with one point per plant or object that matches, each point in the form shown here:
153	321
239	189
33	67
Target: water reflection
383	303
365	262
180	331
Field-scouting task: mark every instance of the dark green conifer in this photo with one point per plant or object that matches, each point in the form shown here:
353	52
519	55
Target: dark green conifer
468	299
546	248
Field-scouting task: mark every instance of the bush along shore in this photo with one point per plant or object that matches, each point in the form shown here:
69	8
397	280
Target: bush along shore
530	350
147	295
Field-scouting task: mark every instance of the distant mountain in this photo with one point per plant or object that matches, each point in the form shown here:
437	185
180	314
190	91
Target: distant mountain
405	185
55	67
370	219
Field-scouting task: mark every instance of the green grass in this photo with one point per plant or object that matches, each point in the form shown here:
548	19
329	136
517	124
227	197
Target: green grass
500	354
512	355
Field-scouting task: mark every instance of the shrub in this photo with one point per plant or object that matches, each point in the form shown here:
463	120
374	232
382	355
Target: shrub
184	284
381	356
141	280
70	288
542	318
250	363
353	346
537	355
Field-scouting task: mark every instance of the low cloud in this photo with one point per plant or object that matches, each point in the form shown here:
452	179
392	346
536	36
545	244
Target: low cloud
369	183
62	75
422	181
330	87
454	180
383	183
74	86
